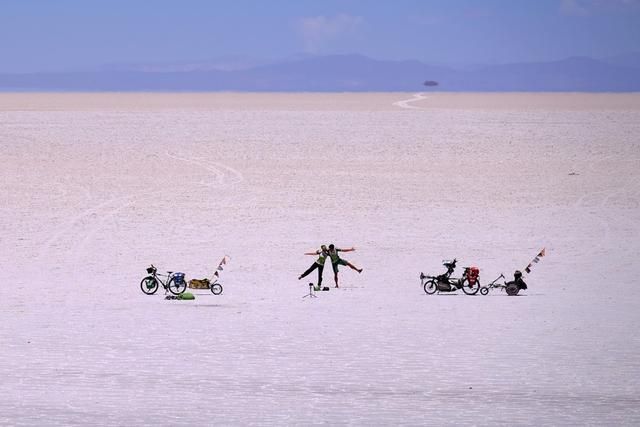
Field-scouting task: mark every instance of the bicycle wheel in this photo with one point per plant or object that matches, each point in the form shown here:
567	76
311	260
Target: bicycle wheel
176	288
430	287
470	289
484	291
216	288
149	285
512	289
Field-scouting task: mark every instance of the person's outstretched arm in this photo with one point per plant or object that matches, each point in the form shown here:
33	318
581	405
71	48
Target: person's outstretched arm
346	250
312	253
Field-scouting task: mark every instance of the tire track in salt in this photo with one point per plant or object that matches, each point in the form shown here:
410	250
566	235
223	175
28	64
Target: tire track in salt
104	216
212	167
406	103
101	210
602	199
45	247
118	204
69	225
219	175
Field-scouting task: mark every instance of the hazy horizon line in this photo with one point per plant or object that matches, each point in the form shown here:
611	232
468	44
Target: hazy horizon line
113	66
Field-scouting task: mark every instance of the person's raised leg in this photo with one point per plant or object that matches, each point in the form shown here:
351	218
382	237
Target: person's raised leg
353	267
309	270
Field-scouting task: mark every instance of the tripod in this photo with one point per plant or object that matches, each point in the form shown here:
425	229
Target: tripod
311	293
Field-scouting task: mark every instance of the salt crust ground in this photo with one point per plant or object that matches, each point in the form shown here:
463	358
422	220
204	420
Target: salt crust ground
95	187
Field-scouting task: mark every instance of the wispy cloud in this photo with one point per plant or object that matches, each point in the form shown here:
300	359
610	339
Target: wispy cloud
320	31
573	8
590	7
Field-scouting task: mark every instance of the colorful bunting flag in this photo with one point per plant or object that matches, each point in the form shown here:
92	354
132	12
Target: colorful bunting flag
535	260
219	267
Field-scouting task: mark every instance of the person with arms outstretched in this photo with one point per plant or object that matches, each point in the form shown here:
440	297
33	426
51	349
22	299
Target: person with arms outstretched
336	261
318	264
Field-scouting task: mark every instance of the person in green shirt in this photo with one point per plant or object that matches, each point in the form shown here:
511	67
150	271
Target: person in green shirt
336	261
322	253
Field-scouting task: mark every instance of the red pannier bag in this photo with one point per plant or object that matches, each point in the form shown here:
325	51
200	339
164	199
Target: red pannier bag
473	273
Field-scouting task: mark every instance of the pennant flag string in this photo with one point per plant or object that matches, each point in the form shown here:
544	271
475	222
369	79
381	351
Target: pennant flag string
219	267
535	260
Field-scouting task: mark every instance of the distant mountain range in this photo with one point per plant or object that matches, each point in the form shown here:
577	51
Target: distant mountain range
339	73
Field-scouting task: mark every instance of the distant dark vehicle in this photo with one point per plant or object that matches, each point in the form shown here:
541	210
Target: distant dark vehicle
430	83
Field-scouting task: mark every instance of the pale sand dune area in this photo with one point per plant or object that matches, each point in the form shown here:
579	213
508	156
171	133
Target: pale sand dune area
95	187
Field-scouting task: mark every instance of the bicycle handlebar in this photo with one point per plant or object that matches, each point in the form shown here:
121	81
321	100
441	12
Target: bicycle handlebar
501	276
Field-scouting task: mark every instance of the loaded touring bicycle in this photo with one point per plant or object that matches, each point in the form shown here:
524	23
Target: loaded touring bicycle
469	282
173	282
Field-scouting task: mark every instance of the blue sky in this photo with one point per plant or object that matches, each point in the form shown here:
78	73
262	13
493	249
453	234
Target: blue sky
37	35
